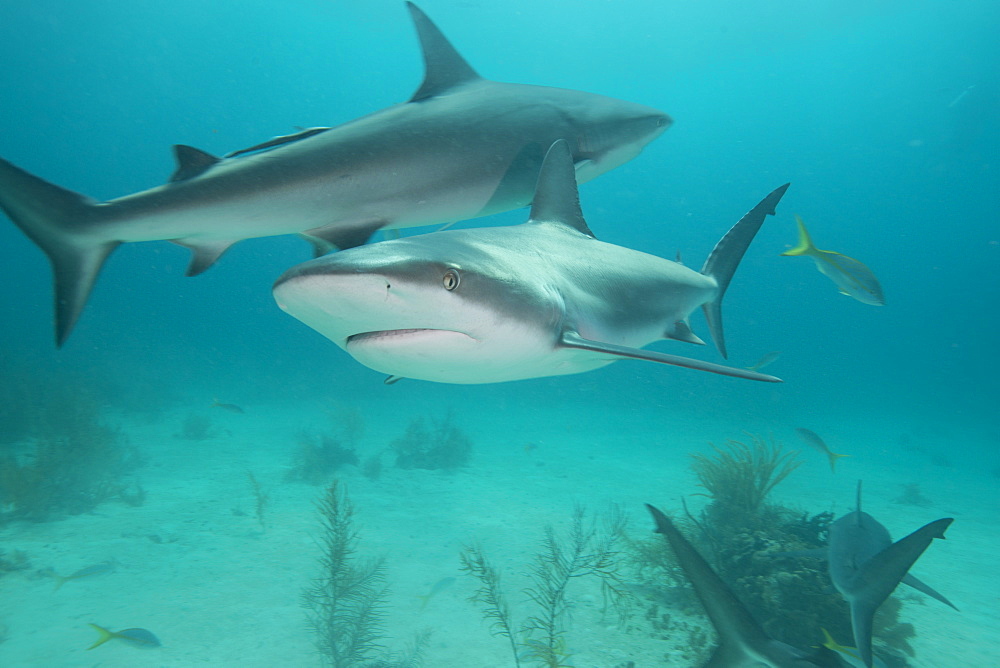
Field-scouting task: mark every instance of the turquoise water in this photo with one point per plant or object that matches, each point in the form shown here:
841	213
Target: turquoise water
883	118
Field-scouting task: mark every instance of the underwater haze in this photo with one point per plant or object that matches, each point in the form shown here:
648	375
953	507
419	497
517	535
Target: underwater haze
194	426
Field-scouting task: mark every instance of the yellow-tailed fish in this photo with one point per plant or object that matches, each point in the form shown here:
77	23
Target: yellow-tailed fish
135	637
232	408
438	587
765	360
813	439
96	569
853	278
849	655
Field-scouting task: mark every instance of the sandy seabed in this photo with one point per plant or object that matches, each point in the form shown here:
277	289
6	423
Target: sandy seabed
194	566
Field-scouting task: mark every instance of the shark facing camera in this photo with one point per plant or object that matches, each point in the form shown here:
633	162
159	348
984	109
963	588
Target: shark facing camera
544	298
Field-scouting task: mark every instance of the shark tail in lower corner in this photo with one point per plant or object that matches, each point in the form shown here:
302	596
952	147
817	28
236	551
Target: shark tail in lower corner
725	258
56	219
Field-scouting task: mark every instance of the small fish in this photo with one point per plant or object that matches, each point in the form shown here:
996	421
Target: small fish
438	587
848	655
765	360
96	569
135	637
232	408
852	277
813	439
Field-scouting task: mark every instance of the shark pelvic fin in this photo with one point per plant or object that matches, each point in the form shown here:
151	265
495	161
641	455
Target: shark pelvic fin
204	253
682	332
574	340
191	162
327	238
444	67
725	257
557	199
56	219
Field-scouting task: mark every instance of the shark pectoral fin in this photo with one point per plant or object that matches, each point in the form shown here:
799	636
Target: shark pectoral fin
204	253
518	182
444	67
343	235
921	586
191	162
682	332
725	258
279	141
574	340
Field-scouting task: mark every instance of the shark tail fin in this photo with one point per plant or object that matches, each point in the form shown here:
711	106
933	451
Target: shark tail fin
54	219
725	257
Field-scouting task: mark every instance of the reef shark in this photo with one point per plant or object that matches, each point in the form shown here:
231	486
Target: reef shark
460	147
742	641
542	298
866	566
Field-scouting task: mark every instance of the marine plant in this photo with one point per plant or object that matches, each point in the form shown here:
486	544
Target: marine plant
346	602
68	462
588	551
739	477
317	457
260	498
441	446
197	427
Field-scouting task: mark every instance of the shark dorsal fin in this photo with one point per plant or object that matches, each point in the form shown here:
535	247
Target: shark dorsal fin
557	199
191	162
857	508
444	67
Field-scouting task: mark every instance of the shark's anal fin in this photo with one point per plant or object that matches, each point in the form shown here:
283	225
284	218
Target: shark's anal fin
58	220
880	575
725	258
191	162
444	67
574	340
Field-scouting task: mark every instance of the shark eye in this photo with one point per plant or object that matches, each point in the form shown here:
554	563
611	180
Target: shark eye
451	280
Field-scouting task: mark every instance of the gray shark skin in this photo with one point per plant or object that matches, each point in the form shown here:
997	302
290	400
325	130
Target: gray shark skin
460	148
489	305
742	641
865	569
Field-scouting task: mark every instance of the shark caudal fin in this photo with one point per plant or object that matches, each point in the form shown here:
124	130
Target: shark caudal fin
56	219
725	257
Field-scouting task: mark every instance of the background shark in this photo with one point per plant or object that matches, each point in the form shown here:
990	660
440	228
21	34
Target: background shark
742	641
865	569
489	305
461	147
